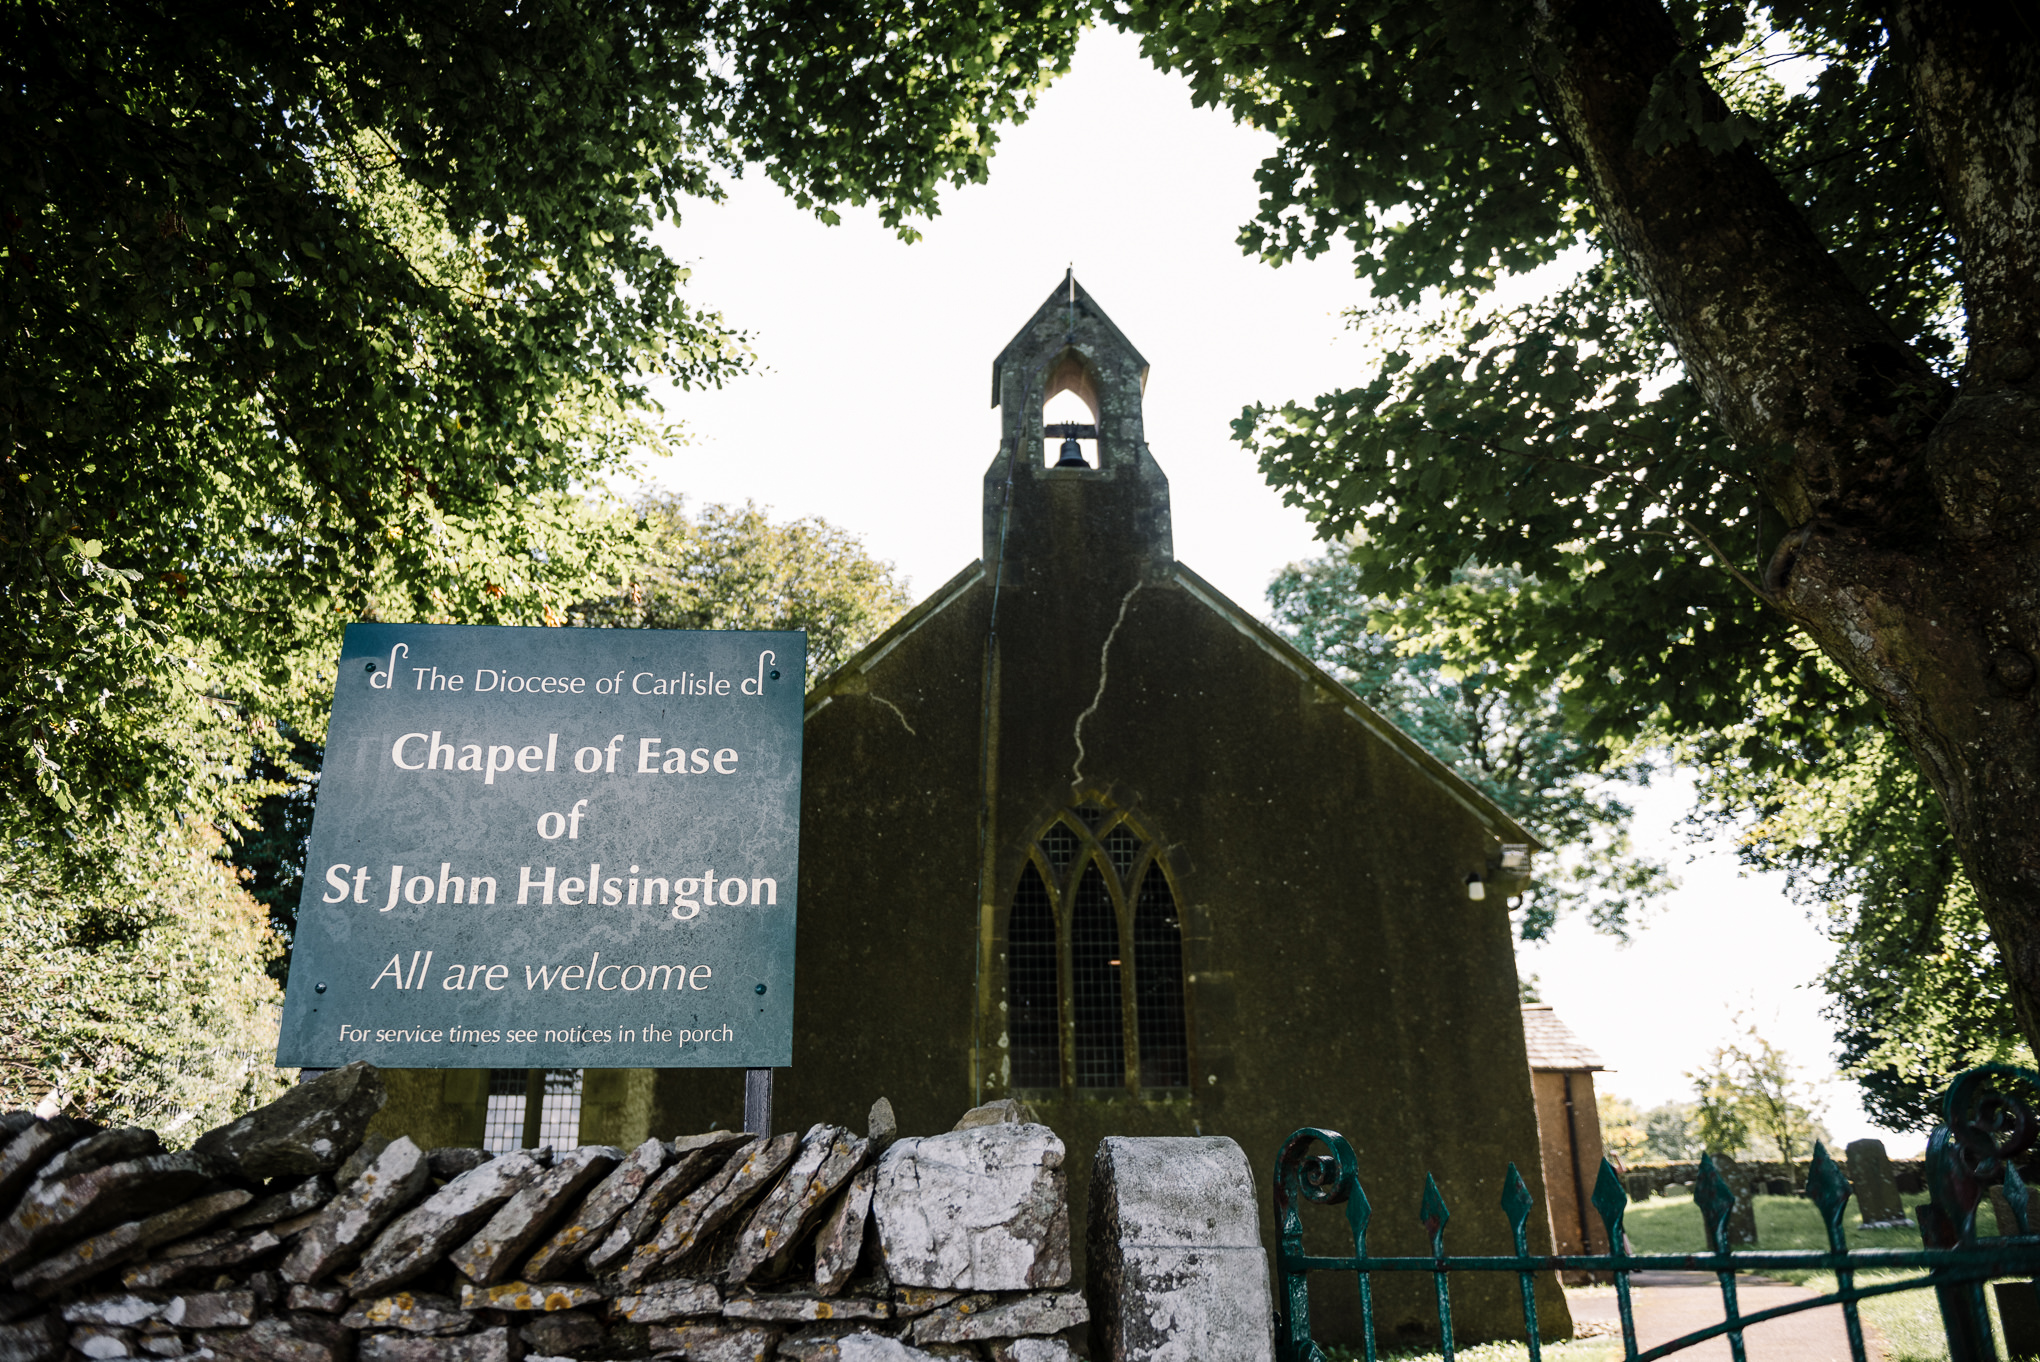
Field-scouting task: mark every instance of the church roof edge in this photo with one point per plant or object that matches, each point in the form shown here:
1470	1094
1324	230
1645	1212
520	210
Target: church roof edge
821	692
1463	791
1489	813
1551	1044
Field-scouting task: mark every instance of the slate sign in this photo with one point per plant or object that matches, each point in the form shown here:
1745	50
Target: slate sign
553	848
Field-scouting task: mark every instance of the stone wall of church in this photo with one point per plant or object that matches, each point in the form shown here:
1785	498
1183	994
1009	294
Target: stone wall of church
1335	972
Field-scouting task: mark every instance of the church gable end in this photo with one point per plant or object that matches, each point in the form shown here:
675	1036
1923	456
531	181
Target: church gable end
1081	831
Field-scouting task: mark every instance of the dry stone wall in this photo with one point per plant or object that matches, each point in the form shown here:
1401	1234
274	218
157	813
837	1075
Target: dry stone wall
1645	1180
288	1236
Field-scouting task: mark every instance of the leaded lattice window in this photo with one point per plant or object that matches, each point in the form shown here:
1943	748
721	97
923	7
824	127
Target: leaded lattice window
510	1123
1124	849
1033	988
1094	962
1058	844
1094	986
503	1127
1158	975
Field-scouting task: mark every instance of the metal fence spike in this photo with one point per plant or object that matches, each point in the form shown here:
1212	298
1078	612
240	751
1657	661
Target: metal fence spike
1829	1189
1611	1198
1716	1200
1434	1213
1516	1204
2015	1193
1359	1210
1987	1131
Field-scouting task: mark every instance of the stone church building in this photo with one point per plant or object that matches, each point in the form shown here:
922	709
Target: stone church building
1079	830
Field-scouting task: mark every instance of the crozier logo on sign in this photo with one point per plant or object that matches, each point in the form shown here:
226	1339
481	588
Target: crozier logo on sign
544	848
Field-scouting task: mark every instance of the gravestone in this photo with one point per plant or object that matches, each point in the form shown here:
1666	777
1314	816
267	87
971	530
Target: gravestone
1742	1221
2001	1207
2019	1312
1876	1189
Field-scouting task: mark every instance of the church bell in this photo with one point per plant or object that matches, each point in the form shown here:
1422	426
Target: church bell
1072	456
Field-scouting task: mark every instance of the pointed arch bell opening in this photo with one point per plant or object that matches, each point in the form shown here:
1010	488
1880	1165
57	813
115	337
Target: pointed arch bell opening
1071	410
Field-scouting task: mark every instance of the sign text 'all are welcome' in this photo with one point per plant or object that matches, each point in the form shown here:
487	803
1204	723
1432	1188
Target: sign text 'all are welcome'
553	848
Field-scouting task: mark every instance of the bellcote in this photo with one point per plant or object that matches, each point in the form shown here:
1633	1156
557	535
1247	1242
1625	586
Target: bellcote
1112	506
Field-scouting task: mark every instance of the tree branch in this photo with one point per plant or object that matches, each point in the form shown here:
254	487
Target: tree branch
1787	352
1974	74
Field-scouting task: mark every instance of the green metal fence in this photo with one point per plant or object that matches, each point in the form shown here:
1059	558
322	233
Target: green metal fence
1985	1129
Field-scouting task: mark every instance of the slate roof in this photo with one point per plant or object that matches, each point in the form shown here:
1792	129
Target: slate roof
1551	1043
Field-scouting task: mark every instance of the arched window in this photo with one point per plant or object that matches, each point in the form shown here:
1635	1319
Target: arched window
1095	986
1158	972
1033	996
1093	899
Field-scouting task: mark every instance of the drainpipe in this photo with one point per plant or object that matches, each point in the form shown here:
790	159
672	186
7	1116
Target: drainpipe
1572	1149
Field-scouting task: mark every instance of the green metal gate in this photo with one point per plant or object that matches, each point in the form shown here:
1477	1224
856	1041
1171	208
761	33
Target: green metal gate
1984	1129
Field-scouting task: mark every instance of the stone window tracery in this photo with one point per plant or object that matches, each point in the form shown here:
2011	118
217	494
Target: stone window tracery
1094	962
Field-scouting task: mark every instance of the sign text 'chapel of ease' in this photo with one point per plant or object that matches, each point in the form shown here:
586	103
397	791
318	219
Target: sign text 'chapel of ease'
552	848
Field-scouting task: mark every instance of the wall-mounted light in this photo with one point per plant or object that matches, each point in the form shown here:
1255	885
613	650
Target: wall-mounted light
1475	890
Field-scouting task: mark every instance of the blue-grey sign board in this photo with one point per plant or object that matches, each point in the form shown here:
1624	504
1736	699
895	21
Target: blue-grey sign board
553	848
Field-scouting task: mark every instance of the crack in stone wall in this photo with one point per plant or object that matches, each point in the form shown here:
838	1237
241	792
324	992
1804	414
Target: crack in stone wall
1104	673
897	710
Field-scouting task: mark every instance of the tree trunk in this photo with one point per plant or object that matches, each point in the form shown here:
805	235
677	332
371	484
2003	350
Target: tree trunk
1913	557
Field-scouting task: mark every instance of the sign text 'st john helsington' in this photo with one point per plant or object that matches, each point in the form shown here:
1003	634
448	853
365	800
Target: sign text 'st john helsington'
553	848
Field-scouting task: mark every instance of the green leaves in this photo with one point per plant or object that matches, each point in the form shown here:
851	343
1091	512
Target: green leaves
730	567
1684	105
1917	991
1559	440
317	314
1749	1096
1410	660
142	998
1556	441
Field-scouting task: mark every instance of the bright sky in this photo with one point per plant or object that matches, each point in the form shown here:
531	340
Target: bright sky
872	410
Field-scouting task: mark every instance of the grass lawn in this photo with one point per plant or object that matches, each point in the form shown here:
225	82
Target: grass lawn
1908	1322
1579	1350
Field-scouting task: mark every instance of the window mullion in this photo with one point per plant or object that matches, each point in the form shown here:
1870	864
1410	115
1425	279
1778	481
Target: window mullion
1059	899
1129	1015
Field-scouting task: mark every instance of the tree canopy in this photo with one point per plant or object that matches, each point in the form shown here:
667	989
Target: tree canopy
1749	1096
1521	754
142	998
1917	992
318	313
731	567
323	313
1764	458
1663	1134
